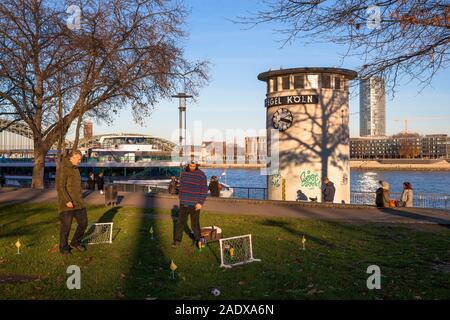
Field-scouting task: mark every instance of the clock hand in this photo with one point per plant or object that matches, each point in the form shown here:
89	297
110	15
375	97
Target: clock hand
285	120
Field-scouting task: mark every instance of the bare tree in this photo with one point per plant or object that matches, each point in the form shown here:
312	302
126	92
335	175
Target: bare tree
394	39
118	53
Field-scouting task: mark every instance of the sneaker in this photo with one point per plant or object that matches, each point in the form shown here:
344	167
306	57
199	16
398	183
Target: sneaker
80	248
176	244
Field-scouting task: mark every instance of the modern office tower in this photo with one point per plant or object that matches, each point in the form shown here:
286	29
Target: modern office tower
88	129
372	105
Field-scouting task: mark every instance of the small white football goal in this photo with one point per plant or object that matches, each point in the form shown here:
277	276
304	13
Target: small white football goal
98	233
236	251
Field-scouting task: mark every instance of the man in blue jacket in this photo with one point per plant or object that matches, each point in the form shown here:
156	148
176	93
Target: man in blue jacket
193	190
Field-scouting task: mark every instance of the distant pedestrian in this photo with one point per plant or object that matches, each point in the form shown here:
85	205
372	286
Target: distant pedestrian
382	197
2	179
328	191
214	187
301	196
193	192
100	182
91	181
406	199
173	185
70	203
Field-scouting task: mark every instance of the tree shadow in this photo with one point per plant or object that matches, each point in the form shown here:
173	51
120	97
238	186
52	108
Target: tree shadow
415	216
324	135
149	275
286	227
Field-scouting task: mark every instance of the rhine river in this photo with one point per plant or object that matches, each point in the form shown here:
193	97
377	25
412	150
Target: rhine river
362	181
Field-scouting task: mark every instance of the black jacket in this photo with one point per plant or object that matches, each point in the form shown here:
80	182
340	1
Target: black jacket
328	192
214	188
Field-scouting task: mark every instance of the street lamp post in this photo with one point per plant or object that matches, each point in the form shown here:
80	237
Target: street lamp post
182	108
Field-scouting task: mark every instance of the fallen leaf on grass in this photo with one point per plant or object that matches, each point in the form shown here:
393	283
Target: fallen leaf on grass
88	259
312	291
54	248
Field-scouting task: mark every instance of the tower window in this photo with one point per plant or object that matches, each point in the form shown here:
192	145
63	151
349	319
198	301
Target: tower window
274	84
326	81
285	83
299	82
337	83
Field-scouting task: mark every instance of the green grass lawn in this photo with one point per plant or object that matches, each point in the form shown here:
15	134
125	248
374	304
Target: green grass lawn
333	266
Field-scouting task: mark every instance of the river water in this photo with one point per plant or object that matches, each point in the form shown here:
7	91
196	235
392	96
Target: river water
362	181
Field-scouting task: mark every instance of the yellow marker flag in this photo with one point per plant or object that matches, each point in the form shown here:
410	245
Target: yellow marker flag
18	244
173	266
303	240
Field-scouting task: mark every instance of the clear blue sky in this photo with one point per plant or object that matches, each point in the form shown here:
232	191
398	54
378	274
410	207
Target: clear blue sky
234	97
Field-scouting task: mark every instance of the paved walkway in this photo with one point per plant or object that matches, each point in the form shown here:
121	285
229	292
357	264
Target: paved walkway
335	212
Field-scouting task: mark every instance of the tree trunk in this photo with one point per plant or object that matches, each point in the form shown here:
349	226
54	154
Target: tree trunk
38	168
77	131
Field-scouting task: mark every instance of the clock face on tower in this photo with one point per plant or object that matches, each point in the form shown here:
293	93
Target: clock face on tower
282	119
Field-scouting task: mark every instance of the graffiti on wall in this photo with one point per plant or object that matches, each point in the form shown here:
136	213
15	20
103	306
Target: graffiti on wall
276	179
309	179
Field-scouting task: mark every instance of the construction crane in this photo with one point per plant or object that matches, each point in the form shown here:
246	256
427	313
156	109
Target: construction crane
405	120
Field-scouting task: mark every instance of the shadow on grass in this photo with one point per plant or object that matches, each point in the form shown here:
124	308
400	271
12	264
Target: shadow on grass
298	233
149	275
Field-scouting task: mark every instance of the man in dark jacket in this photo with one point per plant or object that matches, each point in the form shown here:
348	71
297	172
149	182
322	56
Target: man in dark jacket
328	191
173	185
193	191
70	203
214	187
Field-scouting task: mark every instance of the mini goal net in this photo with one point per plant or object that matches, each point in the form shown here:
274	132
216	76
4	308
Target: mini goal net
236	251
98	233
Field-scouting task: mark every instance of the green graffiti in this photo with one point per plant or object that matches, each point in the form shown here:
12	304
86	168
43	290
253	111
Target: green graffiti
309	179
276	179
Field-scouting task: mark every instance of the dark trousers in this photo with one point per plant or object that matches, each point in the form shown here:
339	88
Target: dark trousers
183	214
66	218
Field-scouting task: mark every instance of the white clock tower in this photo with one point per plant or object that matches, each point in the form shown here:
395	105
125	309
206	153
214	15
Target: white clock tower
309	108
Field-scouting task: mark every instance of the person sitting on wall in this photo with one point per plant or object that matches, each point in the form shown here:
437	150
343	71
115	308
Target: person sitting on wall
214	187
301	196
406	199
328	191
382	195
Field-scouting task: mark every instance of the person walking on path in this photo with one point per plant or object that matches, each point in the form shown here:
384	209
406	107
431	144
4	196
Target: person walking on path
100	182
328	191
2	179
382	197
193	192
214	187
407	195
70	203
91	181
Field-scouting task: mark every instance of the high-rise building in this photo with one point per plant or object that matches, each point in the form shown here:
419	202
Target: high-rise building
372	104
88	129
